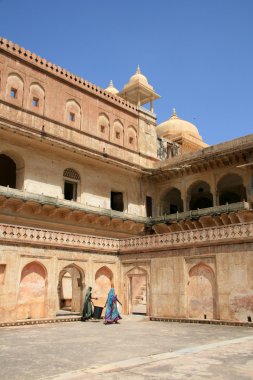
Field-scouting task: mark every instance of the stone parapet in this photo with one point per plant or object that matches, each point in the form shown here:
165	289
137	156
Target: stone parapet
35	236
57	71
207	236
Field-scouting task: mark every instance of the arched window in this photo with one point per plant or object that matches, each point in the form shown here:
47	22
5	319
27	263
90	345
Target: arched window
118	132
103	126
36	98
131	138
73	114
71	180
231	189
15	89
200	195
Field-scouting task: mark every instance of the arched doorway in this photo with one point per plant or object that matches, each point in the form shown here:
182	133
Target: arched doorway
32	292
7	171
200	196
172	202
201	292
137	291
103	284
70	289
231	189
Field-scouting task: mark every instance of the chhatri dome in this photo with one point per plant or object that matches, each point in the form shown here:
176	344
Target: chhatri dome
138	91
139	77
175	126
113	90
182	132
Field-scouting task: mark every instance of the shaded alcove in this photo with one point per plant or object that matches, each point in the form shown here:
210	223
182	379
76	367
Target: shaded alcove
172	202
200	196
201	292
32	292
231	189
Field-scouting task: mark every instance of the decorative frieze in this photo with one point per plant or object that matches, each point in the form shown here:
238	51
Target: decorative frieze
35	236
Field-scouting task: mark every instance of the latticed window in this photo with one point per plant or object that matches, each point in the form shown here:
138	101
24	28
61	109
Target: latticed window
70	184
71	173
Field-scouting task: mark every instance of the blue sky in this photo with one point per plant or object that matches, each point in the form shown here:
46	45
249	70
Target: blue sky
198	54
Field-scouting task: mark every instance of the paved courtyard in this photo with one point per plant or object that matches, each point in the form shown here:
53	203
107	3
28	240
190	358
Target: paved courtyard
134	349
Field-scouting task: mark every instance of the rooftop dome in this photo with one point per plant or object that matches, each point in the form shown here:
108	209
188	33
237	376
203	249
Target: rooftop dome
138	76
175	126
113	90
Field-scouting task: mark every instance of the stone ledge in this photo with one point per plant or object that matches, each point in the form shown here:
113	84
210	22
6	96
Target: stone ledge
40	321
203	321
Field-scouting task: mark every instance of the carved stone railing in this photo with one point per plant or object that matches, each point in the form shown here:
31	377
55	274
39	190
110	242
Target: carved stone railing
38	236
208	236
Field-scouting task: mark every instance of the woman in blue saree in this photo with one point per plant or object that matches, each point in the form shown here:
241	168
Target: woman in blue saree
111	313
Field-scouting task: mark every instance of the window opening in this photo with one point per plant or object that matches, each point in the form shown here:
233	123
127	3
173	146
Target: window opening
35	102
117	203
149	206
131	140
102	128
71	116
70	190
13	93
117	135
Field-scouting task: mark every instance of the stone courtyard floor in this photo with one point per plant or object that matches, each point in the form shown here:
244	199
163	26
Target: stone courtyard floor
134	349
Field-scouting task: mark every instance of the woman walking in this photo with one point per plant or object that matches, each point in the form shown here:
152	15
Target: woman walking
87	306
111	313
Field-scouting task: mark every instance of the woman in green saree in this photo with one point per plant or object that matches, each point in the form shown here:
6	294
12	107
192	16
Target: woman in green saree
87	306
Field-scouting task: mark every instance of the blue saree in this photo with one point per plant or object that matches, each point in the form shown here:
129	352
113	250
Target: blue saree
111	313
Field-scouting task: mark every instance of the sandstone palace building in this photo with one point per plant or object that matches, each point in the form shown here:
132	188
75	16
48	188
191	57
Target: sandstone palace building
94	193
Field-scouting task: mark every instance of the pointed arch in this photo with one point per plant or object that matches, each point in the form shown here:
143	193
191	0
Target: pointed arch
73	113
103	126
103	282
71	288
201	292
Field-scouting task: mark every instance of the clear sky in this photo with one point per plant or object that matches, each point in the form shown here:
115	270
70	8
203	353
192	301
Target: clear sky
197	54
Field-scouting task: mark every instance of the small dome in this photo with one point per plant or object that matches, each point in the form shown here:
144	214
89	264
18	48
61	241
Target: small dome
176	126
113	90
138	76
